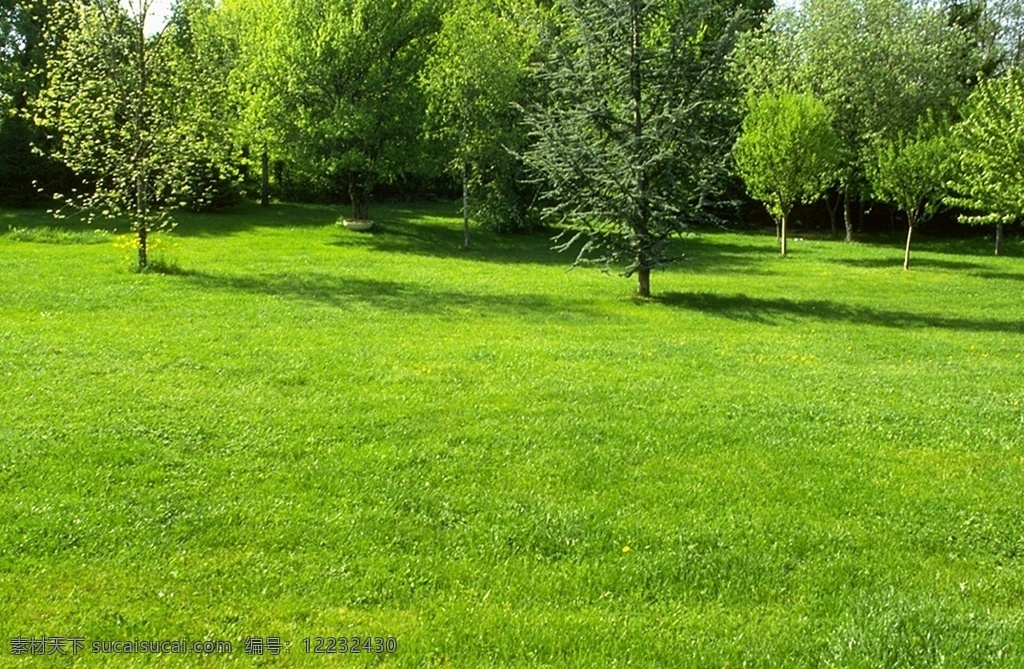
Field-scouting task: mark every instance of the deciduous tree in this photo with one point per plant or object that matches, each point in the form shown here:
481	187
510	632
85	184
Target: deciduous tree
473	79
910	172
989	144
787	152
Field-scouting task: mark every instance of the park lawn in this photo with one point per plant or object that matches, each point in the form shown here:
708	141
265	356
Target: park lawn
303	431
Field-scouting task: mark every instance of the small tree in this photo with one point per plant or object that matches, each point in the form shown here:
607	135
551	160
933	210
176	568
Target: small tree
787	152
112	106
632	137
990	145
910	173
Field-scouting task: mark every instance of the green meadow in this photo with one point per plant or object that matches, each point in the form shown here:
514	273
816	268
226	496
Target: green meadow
300	431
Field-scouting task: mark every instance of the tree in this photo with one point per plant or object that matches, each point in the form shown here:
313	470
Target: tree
26	47
787	152
117	102
352	67
632	137
200	60
910	172
257	33
878	65
472	81
989	144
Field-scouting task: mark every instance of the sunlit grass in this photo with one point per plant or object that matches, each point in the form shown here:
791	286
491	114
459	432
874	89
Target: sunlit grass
813	461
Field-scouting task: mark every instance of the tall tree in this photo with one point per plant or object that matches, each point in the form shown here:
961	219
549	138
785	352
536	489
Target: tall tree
29	37
257	33
787	152
989	144
356	111
473	79
633	135
910	172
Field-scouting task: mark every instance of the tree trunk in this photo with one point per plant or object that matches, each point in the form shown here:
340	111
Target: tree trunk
360	199
910	233
265	178
847	214
784	234
999	237
833	213
465	204
643	276
143	252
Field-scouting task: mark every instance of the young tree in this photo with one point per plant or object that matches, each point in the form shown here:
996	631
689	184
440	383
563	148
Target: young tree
910	173
105	102
989	143
787	152
633	135
472	80
878	65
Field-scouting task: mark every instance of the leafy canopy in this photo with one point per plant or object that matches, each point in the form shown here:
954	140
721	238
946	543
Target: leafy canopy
787	151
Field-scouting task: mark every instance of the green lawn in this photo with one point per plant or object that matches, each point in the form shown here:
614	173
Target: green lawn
811	461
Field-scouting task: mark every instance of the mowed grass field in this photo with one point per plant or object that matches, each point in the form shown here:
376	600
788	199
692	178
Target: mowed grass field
811	461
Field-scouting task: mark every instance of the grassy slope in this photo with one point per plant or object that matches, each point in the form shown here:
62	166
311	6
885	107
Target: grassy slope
813	461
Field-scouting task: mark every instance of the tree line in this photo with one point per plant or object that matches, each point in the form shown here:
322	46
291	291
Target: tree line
621	121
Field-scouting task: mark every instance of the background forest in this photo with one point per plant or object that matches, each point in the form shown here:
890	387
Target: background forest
623	122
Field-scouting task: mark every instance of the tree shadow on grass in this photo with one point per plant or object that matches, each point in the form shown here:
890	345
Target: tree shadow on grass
247	216
347	292
896	262
411	231
774	311
702	254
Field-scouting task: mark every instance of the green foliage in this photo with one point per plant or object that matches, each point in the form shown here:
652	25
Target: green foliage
989	145
631	138
475	82
127	107
200	64
911	171
878	65
787	151
355	110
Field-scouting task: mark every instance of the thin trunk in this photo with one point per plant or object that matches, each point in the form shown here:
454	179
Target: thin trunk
465	204
910	233
140	214
833	213
265	178
999	237
643	276
784	234
141	203
847	214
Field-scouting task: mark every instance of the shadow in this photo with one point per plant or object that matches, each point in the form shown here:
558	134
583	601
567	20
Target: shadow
702	254
897	262
773	311
417	231
248	216
1004	276
346	292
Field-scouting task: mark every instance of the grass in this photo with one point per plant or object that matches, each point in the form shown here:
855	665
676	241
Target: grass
304	431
